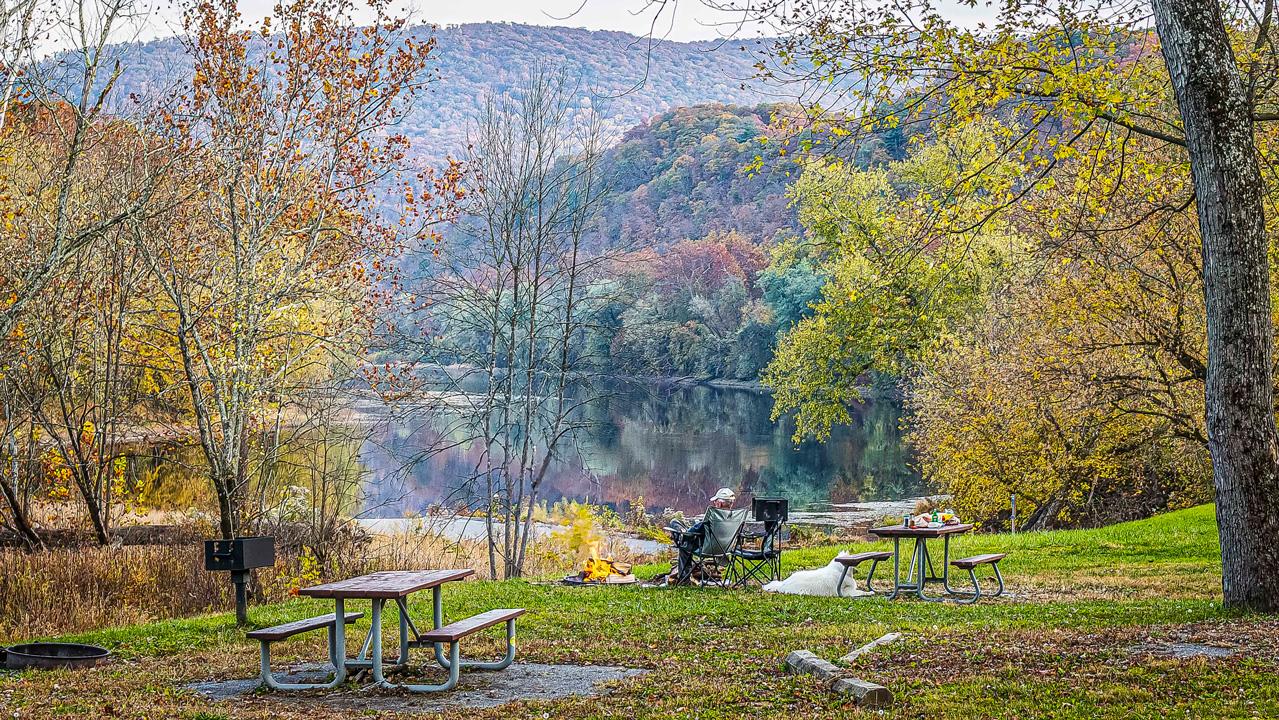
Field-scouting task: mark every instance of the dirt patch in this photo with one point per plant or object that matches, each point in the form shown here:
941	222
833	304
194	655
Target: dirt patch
518	683
1183	651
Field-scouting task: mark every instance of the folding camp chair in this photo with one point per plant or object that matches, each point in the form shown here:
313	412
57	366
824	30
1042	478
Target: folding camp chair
722	531
764	563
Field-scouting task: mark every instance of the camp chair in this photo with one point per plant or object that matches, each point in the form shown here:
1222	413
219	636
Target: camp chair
722	533
765	563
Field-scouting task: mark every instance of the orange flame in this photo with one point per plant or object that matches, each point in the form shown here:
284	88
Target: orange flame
597	570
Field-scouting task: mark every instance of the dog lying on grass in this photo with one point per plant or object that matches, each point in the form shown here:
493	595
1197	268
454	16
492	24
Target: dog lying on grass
820	581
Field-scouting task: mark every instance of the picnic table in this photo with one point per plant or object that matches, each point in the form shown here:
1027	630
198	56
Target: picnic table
379	587
921	566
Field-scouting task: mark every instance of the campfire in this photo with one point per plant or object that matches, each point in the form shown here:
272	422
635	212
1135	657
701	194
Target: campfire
599	571
595	569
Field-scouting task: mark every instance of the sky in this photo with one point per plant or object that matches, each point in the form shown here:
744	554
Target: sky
679	20
689	20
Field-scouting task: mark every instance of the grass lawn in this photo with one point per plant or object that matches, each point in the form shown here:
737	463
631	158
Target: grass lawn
1062	646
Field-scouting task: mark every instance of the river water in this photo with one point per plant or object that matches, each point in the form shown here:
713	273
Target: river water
671	446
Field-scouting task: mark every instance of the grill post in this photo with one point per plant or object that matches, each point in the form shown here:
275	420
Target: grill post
241	580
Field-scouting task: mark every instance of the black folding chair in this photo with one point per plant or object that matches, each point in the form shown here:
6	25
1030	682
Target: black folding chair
765	563
712	559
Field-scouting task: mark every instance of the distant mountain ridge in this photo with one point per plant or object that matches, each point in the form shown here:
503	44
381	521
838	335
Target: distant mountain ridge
621	75
683	120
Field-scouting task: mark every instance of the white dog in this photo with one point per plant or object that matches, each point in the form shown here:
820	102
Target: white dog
820	581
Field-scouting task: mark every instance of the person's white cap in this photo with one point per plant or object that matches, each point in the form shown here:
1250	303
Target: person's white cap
724	494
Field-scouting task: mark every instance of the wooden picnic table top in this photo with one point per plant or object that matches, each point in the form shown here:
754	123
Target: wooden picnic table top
385	585
903	531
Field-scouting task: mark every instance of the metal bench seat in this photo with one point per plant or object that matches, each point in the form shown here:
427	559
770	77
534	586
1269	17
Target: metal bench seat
453	633
971	564
851	561
266	636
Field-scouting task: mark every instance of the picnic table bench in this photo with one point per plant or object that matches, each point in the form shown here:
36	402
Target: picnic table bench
379	588
971	564
266	636
851	561
455	631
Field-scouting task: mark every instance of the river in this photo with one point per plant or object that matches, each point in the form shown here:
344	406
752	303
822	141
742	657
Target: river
670	445
673	446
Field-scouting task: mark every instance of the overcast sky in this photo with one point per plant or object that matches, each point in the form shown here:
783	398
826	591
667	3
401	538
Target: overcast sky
683	20
691	20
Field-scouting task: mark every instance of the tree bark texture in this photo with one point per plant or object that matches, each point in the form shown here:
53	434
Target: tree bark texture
1242	436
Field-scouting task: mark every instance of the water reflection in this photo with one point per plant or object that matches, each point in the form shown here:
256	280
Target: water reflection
671	445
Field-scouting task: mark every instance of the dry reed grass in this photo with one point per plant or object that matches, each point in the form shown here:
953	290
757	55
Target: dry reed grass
68	590
73	589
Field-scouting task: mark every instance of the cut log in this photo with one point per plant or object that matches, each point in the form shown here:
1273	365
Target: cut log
864	694
806	663
879	642
796	661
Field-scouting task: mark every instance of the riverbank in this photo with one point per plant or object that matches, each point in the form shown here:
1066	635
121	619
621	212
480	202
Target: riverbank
1099	624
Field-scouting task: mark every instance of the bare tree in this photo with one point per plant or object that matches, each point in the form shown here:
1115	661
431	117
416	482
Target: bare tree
83	375
18	478
80	165
506	308
18	27
67	114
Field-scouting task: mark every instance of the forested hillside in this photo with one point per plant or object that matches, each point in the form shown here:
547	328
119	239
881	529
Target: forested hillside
621	76
682	175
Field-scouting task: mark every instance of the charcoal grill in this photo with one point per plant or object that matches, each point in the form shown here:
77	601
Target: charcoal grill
239	556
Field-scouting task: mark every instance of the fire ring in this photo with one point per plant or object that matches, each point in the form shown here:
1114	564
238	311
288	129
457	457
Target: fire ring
47	656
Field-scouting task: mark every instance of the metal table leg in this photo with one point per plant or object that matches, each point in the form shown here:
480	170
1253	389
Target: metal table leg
453	663
376	653
923	571
406	627
338	650
921	560
437	622
946	573
914	564
928	559
945	562
897	575
364	660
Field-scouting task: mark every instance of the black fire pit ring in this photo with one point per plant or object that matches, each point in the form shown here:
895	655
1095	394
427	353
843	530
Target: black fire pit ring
47	656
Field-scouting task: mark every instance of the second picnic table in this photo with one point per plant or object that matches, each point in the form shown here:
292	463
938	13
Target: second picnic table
921	571
380	587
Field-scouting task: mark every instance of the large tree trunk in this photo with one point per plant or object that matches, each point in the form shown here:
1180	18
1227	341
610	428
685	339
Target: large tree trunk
1242	436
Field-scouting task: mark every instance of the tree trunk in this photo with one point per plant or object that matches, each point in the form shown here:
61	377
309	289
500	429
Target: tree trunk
96	517
224	482
1242	436
21	524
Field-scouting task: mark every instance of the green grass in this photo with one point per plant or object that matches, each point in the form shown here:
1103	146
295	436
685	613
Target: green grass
1059	648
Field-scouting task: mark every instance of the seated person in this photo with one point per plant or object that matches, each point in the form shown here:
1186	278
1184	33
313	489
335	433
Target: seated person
688	540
